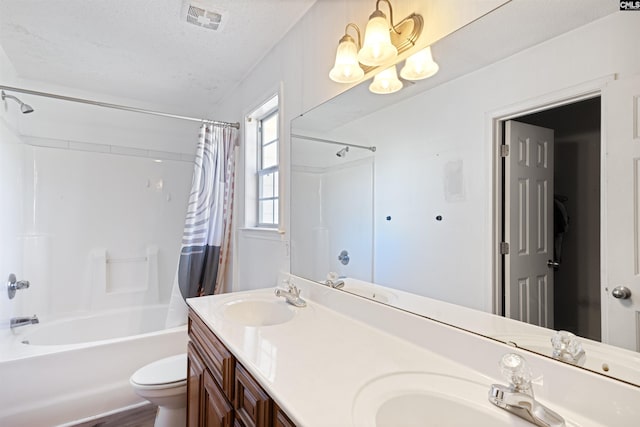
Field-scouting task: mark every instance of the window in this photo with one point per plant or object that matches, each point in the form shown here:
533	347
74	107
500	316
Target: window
267	171
262	153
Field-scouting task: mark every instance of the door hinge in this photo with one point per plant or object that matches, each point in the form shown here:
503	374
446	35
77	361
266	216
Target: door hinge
504	150
504	248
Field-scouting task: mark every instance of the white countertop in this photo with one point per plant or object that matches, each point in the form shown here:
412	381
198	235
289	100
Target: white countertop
315	365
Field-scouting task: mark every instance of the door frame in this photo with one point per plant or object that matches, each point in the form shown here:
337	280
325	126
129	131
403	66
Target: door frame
494	128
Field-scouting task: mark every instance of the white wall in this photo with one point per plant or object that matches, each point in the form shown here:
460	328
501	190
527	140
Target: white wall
299	65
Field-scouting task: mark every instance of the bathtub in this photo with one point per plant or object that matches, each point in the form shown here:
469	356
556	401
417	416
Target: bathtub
69	370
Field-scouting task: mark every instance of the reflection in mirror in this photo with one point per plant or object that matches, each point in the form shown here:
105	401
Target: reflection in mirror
423	217
334	182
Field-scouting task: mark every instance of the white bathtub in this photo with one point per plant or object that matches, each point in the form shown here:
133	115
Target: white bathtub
78	368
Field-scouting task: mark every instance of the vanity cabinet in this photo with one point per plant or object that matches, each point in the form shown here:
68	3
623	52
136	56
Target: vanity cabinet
220	391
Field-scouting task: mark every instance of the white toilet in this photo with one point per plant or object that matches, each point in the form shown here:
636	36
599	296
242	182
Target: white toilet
164	383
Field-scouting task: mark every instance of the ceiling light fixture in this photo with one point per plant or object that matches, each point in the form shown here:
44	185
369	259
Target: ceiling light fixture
383	41
386	82
346	69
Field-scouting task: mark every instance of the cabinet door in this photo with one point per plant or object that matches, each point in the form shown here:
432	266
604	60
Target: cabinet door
252	403
215	355
280	419
194	387
217	412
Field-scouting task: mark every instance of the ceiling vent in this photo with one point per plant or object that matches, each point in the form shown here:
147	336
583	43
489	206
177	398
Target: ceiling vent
200	14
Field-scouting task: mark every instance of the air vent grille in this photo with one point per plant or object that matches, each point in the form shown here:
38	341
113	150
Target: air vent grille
209	19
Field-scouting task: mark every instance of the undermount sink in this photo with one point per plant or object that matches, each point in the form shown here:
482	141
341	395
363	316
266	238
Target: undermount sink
423	398
258	312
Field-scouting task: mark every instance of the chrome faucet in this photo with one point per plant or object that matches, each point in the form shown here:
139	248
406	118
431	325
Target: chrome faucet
518	398
291	294
16	322
333	281
338	284
14	285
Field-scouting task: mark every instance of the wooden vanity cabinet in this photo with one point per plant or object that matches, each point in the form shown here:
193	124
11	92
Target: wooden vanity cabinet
252	403
220	391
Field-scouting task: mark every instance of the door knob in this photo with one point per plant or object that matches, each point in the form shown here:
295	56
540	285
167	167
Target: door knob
553	264
621	292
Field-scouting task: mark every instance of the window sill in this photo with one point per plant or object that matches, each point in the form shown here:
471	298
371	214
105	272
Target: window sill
261	233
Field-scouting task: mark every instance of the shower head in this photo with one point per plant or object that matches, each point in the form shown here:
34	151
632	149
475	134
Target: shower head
343	152
25	108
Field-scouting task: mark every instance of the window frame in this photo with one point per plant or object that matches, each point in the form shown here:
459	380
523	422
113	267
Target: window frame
262	172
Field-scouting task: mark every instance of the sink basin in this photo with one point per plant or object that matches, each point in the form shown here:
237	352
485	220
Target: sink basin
423	398
258	312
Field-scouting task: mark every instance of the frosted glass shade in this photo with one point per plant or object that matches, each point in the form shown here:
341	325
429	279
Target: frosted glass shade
377	48
346	68
386	82
419	66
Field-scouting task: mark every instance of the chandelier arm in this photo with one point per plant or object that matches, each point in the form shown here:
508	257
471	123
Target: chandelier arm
393	27
355	27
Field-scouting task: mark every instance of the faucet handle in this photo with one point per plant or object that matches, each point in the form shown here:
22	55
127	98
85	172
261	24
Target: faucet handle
517	373
294	289
332	276
566	347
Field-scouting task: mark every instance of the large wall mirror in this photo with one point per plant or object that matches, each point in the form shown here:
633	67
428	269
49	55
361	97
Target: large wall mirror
413	193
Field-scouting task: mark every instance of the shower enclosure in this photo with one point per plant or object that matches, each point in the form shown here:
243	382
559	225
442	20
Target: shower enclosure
94	202
95	206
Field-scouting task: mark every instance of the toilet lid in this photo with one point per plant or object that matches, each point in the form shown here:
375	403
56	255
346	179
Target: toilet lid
164	371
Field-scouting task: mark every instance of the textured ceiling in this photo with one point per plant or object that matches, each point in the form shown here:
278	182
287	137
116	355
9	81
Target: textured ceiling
143	50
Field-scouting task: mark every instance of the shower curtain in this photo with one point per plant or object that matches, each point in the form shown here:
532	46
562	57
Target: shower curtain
207	230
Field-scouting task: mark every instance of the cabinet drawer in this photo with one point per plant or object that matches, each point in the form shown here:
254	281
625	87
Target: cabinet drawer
218	359
252	403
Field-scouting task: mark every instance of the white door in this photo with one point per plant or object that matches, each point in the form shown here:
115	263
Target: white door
621	121
529	223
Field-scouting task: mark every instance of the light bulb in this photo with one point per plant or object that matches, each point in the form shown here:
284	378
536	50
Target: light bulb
346	68
377	48
386	82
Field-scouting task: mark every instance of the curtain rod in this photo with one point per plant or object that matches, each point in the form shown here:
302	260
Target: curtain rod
328	141
118	107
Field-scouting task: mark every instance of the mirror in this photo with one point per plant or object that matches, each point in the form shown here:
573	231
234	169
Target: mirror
420	218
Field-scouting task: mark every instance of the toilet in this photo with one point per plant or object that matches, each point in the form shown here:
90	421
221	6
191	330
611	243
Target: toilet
164	383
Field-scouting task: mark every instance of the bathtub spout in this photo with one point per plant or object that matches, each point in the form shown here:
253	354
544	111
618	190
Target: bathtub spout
16	322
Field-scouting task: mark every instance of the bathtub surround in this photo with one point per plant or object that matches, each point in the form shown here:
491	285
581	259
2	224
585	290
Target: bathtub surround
86	183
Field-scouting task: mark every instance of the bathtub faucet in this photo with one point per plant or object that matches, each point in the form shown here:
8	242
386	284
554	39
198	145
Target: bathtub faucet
16	322
13	285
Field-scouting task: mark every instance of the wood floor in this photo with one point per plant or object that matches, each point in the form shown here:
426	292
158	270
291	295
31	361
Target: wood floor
138	417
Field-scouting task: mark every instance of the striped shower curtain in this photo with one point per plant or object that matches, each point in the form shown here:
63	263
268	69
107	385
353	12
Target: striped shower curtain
207	229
